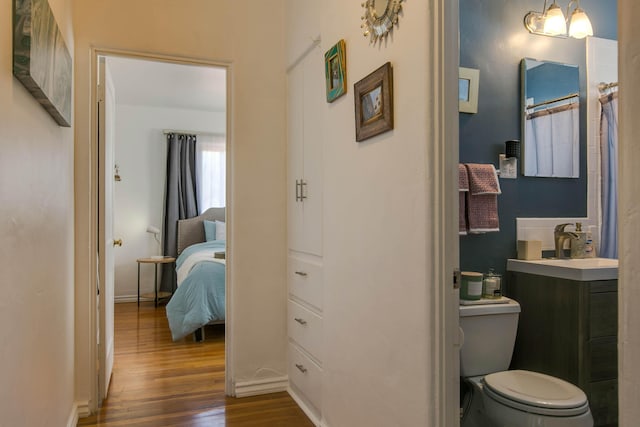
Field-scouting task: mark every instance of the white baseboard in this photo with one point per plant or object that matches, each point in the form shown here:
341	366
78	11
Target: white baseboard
128	298
79	410
265	386
310	413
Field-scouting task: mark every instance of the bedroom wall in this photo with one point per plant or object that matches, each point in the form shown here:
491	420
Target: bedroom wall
376	296
249	35
36	231
141	154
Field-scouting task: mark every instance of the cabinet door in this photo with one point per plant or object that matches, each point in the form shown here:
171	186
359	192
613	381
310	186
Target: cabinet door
305	105
295	143
314	106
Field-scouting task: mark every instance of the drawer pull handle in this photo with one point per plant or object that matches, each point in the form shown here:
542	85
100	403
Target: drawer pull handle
301	273
299	320
301	368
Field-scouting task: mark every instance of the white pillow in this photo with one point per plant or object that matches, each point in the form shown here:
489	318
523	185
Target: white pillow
221	231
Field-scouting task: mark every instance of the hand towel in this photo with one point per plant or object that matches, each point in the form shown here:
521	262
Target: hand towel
463	189
482	198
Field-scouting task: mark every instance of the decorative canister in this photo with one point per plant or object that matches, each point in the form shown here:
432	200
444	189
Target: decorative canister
471	286
492	285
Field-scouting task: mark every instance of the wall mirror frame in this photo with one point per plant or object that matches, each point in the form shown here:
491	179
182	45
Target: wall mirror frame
379	18
550	119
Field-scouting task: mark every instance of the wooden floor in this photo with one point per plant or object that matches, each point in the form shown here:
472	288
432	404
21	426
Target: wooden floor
158	382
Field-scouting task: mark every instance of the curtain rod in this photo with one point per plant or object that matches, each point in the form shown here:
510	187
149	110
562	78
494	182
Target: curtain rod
551	101
192	132
604	86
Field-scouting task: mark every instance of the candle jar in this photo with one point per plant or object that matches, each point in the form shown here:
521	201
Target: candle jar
492	285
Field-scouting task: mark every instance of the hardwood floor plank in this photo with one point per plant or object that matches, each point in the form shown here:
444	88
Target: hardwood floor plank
158	382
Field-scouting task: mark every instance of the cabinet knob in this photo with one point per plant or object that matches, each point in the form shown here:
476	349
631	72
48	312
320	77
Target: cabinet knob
301	368
299	320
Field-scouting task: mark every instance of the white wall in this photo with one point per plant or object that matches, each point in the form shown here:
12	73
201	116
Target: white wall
36	231
141	154
248	35
375	213
628	214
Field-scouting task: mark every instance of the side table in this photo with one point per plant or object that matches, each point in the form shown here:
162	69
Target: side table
156	261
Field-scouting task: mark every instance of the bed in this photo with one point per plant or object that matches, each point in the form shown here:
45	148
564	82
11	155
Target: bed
199	298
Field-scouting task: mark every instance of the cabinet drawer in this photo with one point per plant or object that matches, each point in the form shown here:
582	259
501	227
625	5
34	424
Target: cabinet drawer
306	376
305	281
305	328
604	358
603	314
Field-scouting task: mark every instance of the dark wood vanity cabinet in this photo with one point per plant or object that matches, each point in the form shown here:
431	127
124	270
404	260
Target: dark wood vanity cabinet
569	329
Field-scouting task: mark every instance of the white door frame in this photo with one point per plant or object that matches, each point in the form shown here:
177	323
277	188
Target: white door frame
93	309
443	249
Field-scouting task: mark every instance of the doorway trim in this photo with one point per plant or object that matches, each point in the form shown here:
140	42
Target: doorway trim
97	52
443	248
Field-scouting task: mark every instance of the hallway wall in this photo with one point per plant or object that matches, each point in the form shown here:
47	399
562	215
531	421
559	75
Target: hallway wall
248	35
36	250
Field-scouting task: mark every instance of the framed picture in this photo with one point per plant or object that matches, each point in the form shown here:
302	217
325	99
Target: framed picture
374	103
41	60
468	82
335	71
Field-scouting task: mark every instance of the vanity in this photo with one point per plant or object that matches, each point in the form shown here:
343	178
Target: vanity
568	325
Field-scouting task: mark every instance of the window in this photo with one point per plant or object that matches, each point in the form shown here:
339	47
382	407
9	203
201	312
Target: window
211	171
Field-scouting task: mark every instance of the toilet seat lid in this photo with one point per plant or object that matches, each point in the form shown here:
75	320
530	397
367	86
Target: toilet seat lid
536	389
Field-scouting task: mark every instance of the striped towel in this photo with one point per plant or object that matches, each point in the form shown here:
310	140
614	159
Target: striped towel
482	198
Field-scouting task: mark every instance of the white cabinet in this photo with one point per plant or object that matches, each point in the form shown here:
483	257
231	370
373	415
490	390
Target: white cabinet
305	105
306	98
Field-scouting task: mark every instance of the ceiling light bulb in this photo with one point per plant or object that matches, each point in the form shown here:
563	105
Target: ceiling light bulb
580	25
554	22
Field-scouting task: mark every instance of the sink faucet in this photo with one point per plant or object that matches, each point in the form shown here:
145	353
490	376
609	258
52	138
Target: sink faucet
560	236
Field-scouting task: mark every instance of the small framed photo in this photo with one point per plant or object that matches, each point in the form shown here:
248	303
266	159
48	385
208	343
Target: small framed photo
468	83
335	71
374	103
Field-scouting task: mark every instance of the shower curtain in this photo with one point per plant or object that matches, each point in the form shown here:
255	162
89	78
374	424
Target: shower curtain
553	148
609	174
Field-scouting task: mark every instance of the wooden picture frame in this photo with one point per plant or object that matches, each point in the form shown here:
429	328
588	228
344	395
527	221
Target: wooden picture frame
374	103
468	84
335	71
41	60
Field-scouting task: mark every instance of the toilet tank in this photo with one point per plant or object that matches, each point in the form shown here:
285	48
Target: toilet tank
489	336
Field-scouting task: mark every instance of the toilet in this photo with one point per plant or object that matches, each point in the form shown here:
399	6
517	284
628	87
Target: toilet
497	397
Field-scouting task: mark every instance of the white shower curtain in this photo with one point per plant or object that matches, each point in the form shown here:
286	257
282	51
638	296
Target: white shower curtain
609	174
552	147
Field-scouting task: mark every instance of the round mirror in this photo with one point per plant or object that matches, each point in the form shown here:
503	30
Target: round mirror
380	7
379	17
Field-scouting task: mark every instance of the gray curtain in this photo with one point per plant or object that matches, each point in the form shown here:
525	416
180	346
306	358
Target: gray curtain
609	175
180	198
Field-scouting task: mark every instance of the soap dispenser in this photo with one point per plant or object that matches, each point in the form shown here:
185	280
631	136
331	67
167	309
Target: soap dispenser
579	243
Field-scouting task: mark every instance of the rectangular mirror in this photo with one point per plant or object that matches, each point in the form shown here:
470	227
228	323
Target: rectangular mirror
550	119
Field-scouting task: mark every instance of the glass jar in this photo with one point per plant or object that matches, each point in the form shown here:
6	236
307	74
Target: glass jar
492	285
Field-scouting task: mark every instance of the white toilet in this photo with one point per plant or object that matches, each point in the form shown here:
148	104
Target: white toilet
497	397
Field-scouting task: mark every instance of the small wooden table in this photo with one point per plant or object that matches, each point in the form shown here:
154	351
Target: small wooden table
151	260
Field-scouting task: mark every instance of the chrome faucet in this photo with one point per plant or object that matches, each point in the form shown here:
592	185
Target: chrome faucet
560	236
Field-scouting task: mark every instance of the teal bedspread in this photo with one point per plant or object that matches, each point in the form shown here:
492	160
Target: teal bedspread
200	296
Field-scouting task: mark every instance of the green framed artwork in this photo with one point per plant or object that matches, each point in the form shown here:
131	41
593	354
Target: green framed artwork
41	60
335	70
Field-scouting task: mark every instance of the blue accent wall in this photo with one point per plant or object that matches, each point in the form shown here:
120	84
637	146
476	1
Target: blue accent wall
494	40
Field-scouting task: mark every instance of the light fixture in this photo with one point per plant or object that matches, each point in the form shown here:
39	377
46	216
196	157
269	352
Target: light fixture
155	231
552	22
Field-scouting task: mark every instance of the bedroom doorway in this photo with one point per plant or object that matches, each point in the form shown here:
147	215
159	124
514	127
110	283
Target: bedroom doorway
141	99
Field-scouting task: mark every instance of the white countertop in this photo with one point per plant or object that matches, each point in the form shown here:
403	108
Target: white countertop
573	269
